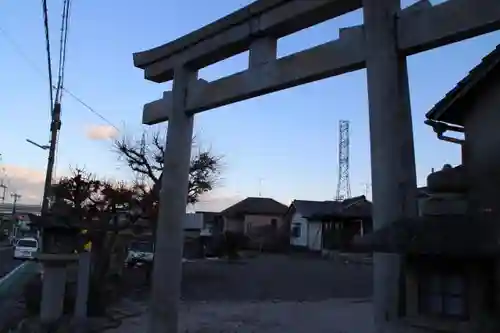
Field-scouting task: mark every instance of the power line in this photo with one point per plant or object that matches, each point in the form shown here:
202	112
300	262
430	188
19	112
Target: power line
37	69
91	109
21	52
61	71
47	45
62	48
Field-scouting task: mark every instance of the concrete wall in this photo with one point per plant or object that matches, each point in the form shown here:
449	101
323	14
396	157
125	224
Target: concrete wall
255	221
233	224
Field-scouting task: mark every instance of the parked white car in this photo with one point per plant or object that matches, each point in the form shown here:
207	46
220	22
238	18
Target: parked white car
25	248
140	252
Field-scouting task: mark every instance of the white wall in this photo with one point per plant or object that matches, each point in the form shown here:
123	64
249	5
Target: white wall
310	233
299	221
315	236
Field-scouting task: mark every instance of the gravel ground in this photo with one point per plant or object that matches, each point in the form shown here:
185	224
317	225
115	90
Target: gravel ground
270	293
275	277
330	316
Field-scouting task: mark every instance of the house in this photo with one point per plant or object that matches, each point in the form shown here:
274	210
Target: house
450	278
252	213
213	223
328	225
260	220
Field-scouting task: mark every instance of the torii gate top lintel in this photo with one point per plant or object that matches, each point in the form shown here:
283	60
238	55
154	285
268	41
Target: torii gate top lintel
235	32
258	26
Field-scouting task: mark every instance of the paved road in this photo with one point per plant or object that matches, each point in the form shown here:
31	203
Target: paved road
14	274
7	263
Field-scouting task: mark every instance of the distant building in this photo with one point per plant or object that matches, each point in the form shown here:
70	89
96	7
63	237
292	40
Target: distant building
253	212
328	225
261	220
7	209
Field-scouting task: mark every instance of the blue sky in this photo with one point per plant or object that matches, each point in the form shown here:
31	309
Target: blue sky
288	139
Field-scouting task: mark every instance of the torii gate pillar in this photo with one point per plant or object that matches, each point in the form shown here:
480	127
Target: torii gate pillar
167	270
392	149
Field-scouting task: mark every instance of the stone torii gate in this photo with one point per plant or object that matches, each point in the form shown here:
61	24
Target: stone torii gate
387	36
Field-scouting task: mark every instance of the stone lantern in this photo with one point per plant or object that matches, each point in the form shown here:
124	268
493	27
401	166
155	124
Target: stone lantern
60	235
60	240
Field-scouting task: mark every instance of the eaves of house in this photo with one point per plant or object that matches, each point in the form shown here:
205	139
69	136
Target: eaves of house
450	109
357	207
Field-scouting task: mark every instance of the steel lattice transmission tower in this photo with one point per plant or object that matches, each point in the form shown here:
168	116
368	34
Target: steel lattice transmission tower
343	183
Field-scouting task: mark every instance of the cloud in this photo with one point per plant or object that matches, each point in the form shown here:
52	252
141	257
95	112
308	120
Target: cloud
29	184
217	201
24	181
101	132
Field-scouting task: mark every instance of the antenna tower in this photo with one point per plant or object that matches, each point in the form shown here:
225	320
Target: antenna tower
343	183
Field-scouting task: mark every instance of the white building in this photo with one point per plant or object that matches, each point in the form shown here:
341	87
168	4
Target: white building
314	224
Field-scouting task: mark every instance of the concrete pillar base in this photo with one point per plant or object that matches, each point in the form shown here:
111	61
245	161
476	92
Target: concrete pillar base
53	290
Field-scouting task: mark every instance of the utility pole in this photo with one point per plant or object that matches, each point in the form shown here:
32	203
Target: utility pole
4	189
16	197
55	126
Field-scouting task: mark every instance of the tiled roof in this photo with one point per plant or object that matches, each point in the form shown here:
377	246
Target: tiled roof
309	209
448	109
256	206
355	207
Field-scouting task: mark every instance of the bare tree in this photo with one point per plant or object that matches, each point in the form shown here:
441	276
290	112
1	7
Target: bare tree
145	158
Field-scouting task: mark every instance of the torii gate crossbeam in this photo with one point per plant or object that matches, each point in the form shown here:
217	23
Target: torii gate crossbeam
381	44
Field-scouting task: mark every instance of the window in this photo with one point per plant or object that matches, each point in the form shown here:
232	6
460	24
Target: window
296	230
274	223
27	243
443	295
